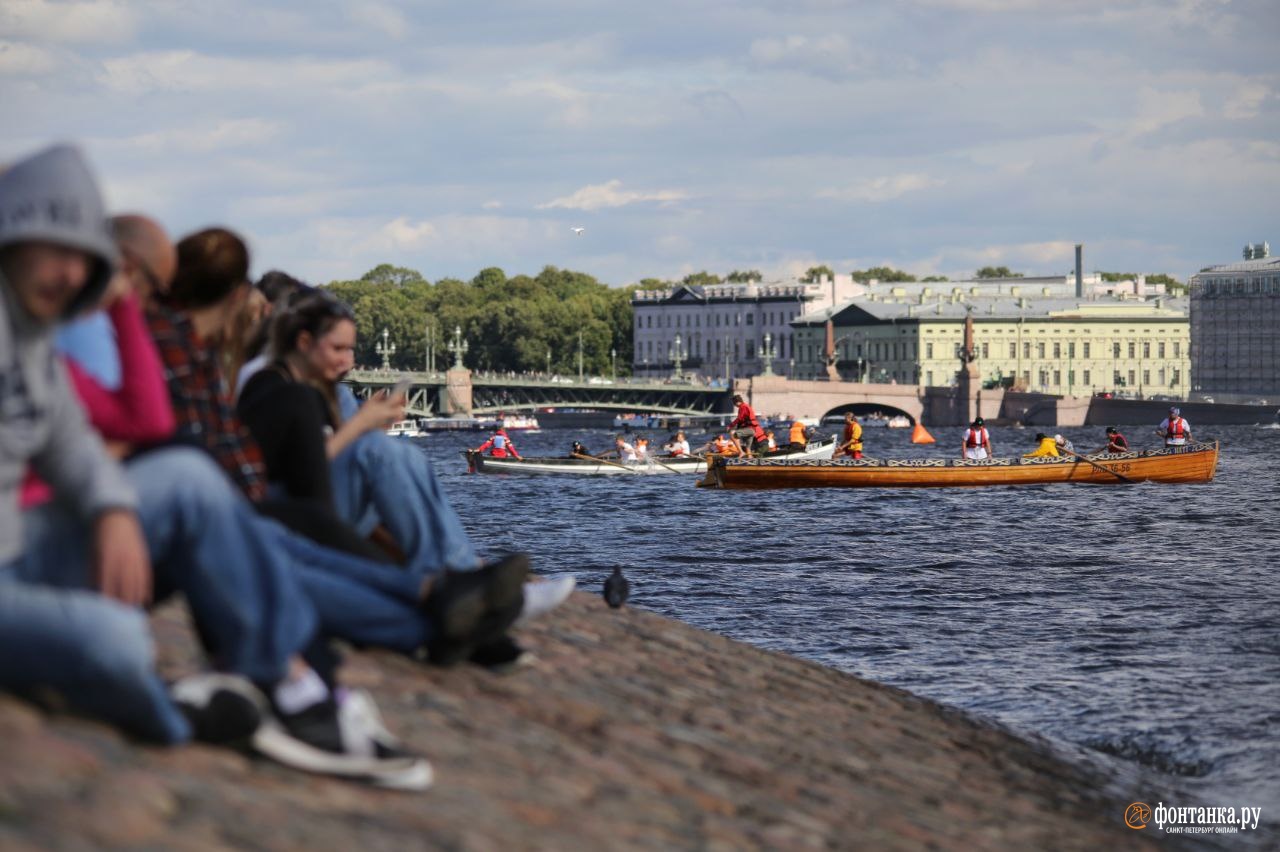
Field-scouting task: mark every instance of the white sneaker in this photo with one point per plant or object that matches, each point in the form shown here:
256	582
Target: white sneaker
344	738
542	597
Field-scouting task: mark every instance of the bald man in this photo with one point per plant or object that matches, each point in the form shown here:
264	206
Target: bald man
147	263
147	255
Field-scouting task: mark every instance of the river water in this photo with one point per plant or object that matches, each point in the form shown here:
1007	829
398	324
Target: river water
1139	621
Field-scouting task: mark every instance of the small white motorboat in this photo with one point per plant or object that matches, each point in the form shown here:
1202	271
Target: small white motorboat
404	429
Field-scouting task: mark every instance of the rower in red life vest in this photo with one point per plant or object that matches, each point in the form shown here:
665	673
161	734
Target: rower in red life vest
977	441
746	426
1116	443
1175	429
499	446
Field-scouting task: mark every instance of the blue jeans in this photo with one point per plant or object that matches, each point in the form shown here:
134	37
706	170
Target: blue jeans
96	653
378	479
202	538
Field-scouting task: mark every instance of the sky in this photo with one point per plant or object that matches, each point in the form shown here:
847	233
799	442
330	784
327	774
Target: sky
935	136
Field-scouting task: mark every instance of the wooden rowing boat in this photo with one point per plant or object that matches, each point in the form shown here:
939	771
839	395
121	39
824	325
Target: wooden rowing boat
586	466
1192	463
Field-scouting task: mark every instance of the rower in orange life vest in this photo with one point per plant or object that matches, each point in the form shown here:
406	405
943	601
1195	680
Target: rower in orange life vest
977	441
745	426
1175	429
798	440
499	446
851	439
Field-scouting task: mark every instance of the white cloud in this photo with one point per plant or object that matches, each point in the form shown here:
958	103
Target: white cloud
1157	109
829	54
25	60
883	188
1246	101
379	17
88	22
189	70
611	194
203	138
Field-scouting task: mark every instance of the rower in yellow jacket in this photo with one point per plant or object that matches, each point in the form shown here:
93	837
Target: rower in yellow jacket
1048	447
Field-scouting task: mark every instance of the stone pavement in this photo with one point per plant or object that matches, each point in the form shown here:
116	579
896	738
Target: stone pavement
629	731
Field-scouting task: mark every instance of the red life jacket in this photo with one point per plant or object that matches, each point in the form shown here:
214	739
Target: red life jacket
747	417
1177	428
976	437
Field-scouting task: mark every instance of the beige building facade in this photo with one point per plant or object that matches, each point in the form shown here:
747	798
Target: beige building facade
1050	344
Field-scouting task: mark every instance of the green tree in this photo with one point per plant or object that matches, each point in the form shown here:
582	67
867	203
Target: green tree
881	273
700	279
1173	285
739	277
996	272
814	273
930	278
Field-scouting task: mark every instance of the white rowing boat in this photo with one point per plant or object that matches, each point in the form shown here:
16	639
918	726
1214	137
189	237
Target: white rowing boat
587	466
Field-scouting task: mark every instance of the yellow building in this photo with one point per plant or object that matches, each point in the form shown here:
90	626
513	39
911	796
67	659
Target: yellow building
1049	344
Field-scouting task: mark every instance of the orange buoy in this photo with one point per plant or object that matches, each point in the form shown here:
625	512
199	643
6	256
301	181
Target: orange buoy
920	435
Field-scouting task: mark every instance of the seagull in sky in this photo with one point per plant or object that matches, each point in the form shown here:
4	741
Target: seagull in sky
578	231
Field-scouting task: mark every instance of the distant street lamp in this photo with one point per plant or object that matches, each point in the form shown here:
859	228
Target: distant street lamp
677	357
458	347
613	364
767	355
386	350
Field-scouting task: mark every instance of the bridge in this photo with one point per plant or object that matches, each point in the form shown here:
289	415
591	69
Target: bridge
463	392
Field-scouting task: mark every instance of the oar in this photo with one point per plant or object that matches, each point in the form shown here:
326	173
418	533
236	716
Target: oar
1119	476
605	461
659	461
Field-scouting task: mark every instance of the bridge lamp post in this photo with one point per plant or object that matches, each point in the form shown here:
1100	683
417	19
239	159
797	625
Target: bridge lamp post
613	363
548	362
677	357
579	357
458	347
386	349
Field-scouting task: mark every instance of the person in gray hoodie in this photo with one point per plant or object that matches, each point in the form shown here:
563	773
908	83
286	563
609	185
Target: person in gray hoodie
57	257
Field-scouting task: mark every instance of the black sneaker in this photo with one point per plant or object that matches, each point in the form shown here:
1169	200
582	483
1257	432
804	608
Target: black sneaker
345	738
462	603
500	655
223	709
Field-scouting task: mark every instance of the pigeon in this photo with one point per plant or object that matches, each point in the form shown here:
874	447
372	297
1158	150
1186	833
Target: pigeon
616	588
578	231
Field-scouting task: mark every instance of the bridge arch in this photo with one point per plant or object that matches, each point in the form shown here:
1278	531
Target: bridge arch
866	409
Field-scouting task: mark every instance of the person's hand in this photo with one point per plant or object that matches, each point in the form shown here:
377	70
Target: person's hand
381	410
120	558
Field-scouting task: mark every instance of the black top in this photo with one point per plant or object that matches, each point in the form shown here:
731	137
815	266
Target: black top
289	420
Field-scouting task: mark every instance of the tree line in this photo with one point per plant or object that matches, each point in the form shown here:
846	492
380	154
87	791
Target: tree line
509	324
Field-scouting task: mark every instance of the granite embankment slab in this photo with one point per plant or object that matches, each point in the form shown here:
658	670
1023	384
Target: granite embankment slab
629	731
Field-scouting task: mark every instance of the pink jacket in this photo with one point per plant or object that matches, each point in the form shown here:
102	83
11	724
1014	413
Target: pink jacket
139	412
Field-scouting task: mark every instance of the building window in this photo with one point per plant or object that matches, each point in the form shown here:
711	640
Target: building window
1133	350
1177	349
1116	380
1086	354
1115	350
751	319
928	379
1146	377
1071	349
1057	350
1160	375
985	352
1160	350
751	349
1057	378
1146	350
1026	351
1044	378
1013	350
1040	351
1086	379
1176	380
928	351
